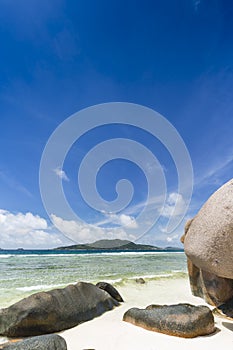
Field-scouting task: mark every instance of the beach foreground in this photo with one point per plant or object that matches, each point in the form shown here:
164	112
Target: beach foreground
110	332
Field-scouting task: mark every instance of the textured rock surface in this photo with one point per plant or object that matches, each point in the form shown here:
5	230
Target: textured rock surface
56	310
182	320
110	290
209	238
215	290
42	342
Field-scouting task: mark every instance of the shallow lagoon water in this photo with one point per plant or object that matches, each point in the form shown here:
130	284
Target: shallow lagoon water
24	273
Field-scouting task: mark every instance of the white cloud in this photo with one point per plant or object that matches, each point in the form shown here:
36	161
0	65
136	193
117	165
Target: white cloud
31	231
23	222
27	231
174	206
121	220
82	232
171	238
128	221
61	174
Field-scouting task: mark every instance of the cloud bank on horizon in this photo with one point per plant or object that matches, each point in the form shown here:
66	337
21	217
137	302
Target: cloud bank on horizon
61	56
29	231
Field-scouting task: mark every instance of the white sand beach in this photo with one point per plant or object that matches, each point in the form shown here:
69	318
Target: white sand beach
109	332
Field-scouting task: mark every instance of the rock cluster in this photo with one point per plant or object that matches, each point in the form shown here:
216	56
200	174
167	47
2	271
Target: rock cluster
181	320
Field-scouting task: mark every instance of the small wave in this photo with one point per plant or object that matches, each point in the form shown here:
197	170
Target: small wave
79	254
135	253
89	254
123	281
131	253
44	255
178	271
153	276
118	280
39	287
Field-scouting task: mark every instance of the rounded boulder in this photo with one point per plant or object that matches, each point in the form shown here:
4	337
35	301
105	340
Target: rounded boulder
208	241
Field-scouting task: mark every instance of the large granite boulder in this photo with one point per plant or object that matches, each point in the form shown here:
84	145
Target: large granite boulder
56	310
208	242
110	290
41	342
181	320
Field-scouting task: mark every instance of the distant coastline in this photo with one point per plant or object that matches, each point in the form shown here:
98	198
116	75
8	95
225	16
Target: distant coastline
96	247
116	245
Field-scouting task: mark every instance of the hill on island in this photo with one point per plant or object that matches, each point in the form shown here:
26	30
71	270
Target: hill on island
117	245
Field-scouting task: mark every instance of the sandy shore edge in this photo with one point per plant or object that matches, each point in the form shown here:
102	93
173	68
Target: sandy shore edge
109	332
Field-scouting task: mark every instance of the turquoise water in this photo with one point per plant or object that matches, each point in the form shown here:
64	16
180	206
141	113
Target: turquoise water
24	273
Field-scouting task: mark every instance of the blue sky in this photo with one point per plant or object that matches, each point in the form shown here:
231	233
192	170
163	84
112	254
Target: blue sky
58	57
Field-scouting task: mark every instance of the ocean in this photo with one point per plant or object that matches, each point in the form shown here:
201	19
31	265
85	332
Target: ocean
25	272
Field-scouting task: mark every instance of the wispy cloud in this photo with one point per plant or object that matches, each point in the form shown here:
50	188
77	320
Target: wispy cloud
10	181
156	206
153	203
209	179
212	172
196	4
61	174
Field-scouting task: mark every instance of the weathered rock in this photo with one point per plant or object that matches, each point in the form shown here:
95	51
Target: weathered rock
181	320
208	243
209	238
140	280
215	290
42	342
225	310
110	290
56	310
